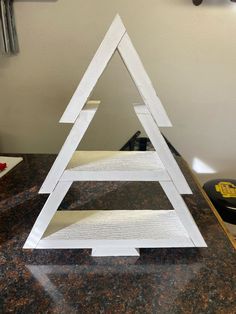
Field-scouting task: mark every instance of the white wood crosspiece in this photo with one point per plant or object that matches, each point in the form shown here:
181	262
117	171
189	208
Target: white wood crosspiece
118	232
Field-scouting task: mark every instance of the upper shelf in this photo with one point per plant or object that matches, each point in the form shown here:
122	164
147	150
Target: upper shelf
115	166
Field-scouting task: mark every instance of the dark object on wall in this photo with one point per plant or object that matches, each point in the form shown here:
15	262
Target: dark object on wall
8	36
198	2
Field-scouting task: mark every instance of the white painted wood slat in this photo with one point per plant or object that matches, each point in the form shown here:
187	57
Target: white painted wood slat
115	228
183	213
115	166
111	251
162	149
94	70
75	136
50	207
142	81
115	176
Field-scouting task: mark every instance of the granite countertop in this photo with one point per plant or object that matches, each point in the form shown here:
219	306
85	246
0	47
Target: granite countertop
190	280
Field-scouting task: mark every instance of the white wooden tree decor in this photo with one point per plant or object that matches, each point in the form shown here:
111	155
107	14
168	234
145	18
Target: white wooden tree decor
118	232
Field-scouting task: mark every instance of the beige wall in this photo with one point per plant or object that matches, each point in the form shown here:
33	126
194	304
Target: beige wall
189	53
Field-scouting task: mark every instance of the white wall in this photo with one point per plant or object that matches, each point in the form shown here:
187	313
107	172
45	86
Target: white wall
189	53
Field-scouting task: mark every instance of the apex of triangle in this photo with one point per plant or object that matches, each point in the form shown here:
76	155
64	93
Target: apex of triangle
118	17
116	38
118	21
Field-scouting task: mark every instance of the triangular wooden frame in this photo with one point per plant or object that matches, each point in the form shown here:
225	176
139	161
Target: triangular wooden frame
115	39
103	166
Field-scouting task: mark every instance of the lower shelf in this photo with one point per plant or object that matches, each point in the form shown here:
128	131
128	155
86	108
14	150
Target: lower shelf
115	228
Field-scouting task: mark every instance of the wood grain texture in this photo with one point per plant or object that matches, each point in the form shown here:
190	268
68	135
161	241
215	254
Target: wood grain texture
111	251
162	149
183	213
94	70
50	207
75	136
116	38
115	166
115	228
142	81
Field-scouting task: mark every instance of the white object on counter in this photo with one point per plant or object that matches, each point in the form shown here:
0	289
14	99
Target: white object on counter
11	163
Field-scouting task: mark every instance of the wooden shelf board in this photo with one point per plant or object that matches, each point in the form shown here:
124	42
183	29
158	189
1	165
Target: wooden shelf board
115	166
115	228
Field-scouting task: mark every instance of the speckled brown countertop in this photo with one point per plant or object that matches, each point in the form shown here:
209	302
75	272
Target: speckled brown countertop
70	281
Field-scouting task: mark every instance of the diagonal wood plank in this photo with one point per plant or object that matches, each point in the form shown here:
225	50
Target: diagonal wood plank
75	136
94	70
142	81
183	213
162	149
50	207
